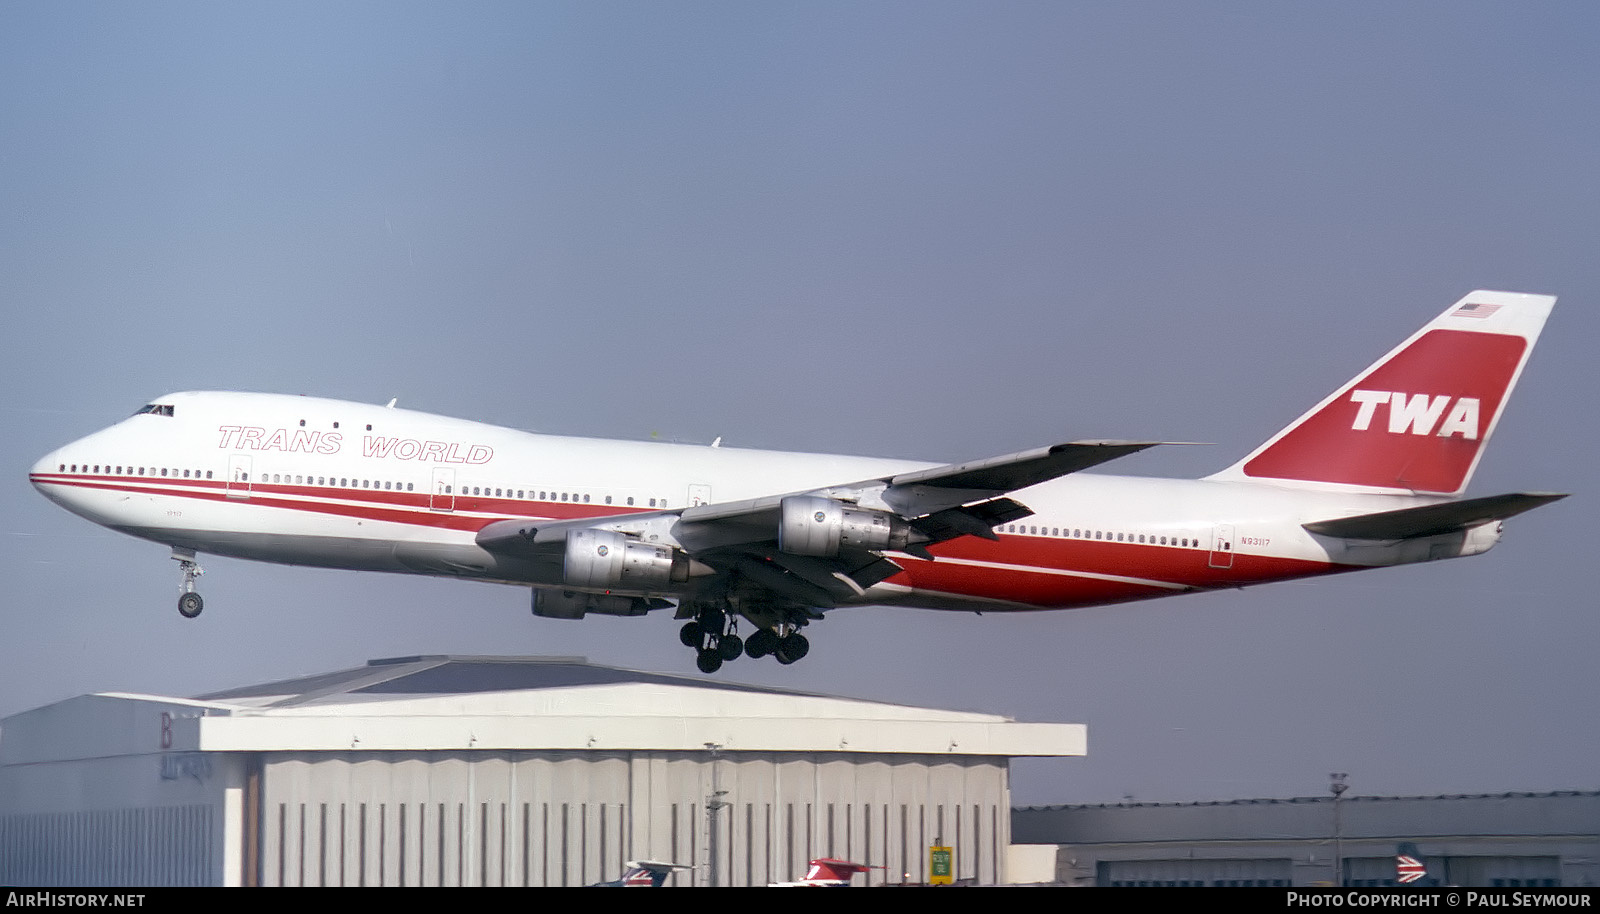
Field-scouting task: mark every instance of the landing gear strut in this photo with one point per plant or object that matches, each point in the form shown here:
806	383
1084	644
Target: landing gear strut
712	633
787	648
189	602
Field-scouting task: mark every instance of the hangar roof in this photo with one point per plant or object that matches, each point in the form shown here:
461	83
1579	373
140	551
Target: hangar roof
553	703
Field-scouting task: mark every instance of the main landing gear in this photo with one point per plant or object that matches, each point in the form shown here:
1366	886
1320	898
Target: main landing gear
713	634
189	602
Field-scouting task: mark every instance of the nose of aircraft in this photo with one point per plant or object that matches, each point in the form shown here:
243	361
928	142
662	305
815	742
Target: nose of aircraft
46	474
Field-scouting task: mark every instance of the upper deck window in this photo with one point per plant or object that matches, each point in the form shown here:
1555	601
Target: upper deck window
156	409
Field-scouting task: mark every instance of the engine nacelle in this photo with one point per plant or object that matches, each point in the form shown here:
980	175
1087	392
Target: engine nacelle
567	604
607	560
816	526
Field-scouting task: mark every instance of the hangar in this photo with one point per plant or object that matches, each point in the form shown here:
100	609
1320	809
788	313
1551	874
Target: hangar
1503	839
450	770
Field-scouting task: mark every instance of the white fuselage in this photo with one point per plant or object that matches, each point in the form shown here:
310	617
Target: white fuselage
308	481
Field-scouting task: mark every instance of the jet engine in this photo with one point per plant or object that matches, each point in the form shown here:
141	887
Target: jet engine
816	526
567	604
607	560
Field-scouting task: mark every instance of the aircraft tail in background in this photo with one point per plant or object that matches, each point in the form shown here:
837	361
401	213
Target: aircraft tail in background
1410	867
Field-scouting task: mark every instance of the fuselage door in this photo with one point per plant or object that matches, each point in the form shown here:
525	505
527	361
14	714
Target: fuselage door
1222	546
238	475
699	495
443	494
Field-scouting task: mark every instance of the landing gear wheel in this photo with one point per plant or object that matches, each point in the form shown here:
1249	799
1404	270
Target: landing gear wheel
190	604
709	660
690	634
730	647
792	648
760	644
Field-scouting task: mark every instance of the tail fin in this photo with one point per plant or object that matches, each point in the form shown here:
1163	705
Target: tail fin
1410	867
1418	419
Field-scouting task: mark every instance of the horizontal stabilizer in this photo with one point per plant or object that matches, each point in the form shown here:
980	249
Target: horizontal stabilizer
1431	520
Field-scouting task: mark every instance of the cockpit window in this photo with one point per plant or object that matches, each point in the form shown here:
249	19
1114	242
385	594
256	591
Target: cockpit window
156	409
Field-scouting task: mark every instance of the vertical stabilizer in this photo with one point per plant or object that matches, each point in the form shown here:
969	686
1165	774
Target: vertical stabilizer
1418	419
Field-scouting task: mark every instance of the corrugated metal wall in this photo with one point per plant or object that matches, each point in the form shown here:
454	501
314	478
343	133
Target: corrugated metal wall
547	818
158	846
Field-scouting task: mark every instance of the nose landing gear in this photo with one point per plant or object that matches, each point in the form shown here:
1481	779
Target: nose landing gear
189	602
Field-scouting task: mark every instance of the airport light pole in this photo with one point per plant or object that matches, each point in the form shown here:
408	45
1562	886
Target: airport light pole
714	804
1338	786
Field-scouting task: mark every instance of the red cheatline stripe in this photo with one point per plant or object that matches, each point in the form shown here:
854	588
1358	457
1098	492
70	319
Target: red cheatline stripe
1038	571
396	507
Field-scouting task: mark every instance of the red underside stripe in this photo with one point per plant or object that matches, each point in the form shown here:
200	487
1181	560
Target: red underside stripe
1169	564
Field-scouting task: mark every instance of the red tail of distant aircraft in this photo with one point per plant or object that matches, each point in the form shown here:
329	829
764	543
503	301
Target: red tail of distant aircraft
1372	476
829	872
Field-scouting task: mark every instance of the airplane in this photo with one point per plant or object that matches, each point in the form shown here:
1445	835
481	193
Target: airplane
827	872
642	874
1372	476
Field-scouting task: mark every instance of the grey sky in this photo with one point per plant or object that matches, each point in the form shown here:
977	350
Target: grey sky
927	230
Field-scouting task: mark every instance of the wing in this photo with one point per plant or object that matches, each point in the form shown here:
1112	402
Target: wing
815	548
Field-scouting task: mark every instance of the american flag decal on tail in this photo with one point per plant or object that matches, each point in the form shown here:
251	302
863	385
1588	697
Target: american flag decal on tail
1479	310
